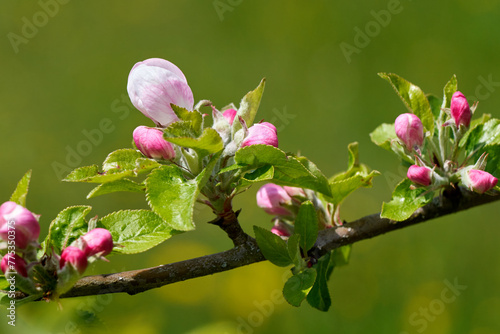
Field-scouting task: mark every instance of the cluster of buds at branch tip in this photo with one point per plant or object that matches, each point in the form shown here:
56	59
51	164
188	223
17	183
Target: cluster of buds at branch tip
151	143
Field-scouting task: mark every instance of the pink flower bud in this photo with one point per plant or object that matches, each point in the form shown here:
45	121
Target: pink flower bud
229	114
14	263
479	181
153	85
19	223
460	110
294	191
98	240
74	256
261	133
281	230
151	143
270	197
420	175
409	130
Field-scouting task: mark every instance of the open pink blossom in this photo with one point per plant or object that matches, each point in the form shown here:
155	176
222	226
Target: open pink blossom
261	133
154	84
20	222
151	143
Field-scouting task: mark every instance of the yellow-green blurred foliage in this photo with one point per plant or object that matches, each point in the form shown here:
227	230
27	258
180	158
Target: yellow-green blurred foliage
71	74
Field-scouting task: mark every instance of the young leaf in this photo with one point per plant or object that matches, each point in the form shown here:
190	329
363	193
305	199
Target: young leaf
319	296
249	106
448	90
121	160
209	142
405	201
68	226
136	231
383	135
272	247
91	174
3	281
298	286
114	186
413	97
191	121
435	104
172	197
482	135
306	225
19	195
341	255
342	188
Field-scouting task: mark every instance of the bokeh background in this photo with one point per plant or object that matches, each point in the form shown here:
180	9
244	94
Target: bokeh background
64	68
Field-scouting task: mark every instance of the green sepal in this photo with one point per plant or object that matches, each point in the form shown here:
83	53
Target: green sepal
298	286
272	247
413	97
135	231
405	201
19	195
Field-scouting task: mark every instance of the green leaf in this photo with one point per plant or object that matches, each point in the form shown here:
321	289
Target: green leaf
272	247
121	160
172	197
435	104
19	195
91	174
136	231
144	165
68	226
3	281
298	286
249	106
115	186
405	201
288	170
191	122
448	90
306	224
483	135
293	246
343	188
209	142
319	296
413	97
383	135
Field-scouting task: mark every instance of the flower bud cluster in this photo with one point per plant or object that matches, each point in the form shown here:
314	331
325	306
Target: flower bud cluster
433	167
284	202
19	229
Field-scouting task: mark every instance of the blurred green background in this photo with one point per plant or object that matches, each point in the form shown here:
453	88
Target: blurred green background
64	75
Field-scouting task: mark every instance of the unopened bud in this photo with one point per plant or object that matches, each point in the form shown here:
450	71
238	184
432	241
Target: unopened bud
261	133
479	181
229	114
76	257
460	110
151	143
19	222
98	241
14	263
420	175
270	197
409	130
